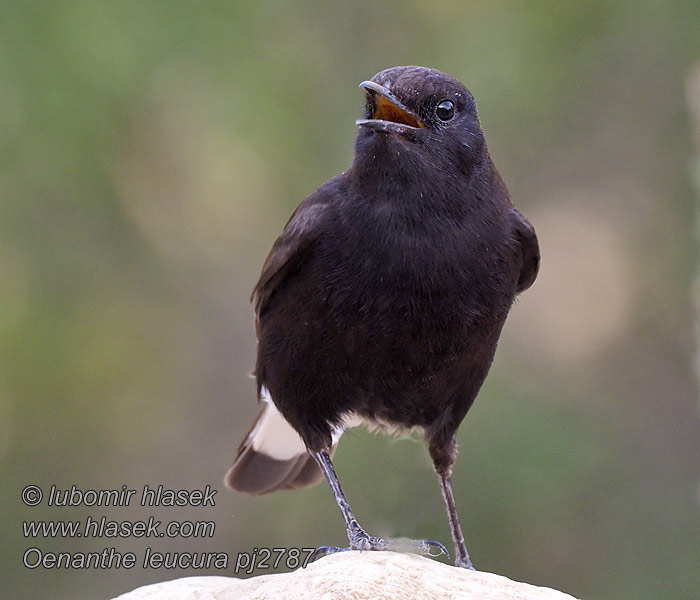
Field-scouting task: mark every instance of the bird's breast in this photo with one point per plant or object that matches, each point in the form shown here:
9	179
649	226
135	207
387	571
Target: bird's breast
426	275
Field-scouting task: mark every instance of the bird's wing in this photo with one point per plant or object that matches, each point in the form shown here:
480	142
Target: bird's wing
529	249
291	248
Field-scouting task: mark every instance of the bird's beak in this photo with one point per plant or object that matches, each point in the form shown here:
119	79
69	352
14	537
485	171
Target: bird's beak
389	114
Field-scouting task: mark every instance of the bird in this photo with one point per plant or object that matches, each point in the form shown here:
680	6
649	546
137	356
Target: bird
382	301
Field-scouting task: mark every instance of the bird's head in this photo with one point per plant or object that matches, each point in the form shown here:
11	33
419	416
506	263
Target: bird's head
426	111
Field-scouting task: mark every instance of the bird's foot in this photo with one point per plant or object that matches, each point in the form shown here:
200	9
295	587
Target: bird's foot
425	547
464	563
360	540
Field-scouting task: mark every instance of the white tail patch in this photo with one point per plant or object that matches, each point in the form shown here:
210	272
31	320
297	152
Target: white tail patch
276	438
273	435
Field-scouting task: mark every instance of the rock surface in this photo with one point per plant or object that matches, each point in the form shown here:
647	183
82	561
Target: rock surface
353	576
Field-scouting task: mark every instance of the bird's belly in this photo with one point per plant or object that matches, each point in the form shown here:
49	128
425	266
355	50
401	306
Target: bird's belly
389	337
400	331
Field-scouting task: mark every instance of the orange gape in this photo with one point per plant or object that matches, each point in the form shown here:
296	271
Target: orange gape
388	111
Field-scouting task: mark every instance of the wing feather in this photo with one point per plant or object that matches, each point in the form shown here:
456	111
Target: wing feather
292	248
529	249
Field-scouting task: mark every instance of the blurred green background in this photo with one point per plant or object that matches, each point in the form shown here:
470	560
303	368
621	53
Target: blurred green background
150	152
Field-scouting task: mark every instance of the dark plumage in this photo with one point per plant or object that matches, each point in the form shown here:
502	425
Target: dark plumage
384	297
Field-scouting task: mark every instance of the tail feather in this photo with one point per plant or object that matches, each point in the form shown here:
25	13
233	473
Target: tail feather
272	457
308	475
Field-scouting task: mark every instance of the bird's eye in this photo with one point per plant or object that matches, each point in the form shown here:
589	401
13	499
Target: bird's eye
445	110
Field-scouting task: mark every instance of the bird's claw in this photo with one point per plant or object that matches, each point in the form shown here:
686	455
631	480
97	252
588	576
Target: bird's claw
359	540
322	551
425	547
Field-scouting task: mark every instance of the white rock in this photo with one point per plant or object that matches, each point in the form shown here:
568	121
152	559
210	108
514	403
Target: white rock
353	576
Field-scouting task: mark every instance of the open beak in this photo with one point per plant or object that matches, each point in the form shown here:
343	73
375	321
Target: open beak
388	113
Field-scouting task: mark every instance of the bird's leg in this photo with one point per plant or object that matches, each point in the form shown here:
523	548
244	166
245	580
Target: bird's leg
358	537
443	450
359	540
461	554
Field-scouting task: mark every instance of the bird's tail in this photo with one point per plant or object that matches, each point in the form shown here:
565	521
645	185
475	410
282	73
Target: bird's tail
272	457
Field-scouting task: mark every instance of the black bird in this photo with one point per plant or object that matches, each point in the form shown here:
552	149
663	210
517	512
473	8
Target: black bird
383	299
